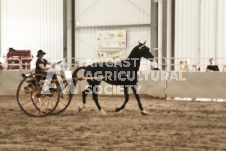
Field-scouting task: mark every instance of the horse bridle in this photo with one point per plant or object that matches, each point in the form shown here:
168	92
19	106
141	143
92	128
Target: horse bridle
141	47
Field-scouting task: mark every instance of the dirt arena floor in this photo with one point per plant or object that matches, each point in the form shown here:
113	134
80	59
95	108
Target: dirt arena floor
170	125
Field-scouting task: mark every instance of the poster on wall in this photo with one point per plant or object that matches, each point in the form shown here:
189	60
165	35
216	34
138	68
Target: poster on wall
111	39
112	54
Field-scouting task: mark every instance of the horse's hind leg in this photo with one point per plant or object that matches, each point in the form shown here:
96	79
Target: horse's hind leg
84	95
135	91
95	98
126	93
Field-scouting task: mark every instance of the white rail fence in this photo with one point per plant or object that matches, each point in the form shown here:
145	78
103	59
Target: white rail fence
167	64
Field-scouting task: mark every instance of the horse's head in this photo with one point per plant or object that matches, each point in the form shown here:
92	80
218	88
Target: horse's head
144	51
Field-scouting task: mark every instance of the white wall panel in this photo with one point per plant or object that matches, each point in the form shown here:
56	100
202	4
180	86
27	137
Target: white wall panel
34	25
187	29
208	30
206	33
112	12
221	32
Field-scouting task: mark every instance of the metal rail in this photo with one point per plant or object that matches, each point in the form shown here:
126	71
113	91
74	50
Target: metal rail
163	64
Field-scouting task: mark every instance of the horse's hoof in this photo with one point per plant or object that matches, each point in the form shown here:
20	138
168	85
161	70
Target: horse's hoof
102	112
117	109
80	108
144	112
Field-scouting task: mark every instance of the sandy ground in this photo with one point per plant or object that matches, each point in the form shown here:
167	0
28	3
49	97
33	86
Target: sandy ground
170	125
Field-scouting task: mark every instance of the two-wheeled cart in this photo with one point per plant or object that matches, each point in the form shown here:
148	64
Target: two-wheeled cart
38	96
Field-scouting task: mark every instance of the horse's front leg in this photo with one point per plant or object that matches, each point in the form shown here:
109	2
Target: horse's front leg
126	94
136	93
95	98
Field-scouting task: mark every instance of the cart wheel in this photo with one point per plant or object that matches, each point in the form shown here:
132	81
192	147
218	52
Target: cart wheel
65	97
31	99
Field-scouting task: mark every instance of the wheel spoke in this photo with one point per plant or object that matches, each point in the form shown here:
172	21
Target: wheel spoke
62	103
25	103
30	106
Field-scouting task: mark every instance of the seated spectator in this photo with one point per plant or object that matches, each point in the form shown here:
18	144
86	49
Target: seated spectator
224	68
212	67
186	67
182	66
1	66
155	66
195	68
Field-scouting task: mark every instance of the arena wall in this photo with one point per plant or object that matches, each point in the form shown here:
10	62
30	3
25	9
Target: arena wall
198	85
10	80
184	85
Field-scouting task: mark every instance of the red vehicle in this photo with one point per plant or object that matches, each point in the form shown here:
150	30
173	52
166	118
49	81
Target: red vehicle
15	57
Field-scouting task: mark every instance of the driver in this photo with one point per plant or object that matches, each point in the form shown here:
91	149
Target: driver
41	66
41	63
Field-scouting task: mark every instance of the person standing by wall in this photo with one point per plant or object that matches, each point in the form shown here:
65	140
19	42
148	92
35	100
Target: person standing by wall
224	68
195	68
186	67
155	66
212	67
182	68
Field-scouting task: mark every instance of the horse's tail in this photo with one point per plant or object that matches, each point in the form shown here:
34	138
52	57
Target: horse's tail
74	75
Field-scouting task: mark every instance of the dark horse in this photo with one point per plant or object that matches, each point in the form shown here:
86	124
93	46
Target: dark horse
123	73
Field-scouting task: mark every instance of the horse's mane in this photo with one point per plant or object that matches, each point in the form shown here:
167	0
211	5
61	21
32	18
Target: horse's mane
133	53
